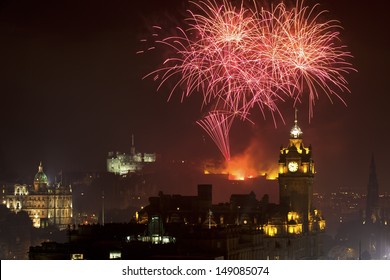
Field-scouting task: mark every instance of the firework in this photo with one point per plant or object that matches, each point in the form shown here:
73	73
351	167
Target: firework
215	57
217	125
241	58
310	53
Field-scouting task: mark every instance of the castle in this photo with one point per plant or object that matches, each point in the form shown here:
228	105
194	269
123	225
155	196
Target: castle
122	163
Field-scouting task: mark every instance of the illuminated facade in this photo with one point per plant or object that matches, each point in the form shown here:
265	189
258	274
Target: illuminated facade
294	232
45	204
296	180
122	163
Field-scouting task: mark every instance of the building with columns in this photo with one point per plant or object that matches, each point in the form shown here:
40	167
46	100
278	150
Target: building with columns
45	204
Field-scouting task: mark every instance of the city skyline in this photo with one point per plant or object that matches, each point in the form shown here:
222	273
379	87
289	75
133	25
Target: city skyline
74	89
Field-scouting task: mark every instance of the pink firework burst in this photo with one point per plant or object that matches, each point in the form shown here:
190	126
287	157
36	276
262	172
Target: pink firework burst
242	57
214	56
310	53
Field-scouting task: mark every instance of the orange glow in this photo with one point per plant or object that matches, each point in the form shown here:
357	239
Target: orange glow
250	164
240	171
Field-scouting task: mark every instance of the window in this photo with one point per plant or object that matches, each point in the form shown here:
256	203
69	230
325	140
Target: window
115	255
77	256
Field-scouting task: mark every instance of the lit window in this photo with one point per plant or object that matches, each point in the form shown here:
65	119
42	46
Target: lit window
115	255
77	257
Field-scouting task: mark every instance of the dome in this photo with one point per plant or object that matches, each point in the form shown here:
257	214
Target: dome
295	131
40	178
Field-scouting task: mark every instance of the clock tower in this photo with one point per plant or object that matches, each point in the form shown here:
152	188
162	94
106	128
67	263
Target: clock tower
296	176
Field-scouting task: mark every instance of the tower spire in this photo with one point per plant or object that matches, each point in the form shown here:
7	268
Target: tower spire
40	167
132	145
296	131
296	117
372	193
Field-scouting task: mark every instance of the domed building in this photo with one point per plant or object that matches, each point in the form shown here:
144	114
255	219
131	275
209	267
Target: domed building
40	180
45	204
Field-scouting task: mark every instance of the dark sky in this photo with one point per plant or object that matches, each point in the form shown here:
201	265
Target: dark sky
72	90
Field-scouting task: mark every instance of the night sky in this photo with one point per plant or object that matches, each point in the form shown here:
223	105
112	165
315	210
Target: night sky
72	90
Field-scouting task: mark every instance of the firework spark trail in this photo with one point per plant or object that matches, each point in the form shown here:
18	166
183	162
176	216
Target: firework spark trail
245	57
217	124
212	57
238	73
310	54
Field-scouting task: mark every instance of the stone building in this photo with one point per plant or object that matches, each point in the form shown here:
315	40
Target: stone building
45	204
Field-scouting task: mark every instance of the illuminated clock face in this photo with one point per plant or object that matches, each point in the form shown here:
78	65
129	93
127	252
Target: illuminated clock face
293	166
